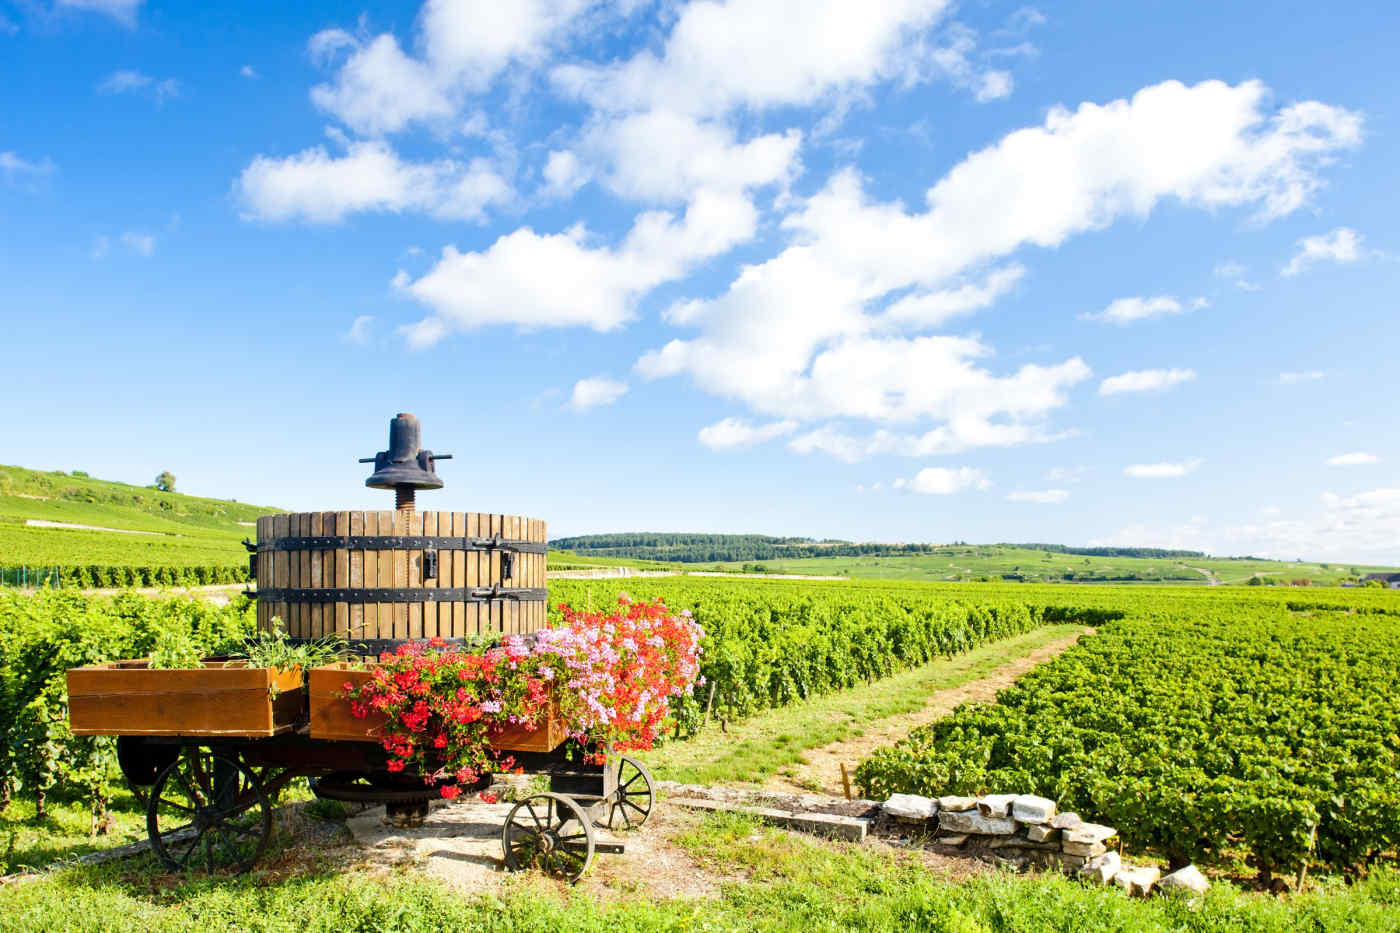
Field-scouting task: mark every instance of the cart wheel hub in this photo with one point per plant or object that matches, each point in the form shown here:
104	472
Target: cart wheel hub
547	842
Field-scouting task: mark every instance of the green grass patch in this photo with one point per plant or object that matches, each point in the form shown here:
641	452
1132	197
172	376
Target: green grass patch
786	883
757	748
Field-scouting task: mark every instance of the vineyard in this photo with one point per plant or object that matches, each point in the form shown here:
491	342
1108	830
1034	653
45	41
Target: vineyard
1265	720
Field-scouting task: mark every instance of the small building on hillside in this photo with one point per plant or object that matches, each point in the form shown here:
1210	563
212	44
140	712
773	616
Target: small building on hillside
1391	580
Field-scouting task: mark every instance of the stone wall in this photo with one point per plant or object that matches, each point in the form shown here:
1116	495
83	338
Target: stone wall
1022	831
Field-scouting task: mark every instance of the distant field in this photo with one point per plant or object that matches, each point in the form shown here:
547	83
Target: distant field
966	562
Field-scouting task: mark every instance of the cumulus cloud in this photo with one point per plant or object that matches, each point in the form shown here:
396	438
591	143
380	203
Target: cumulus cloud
599	390
1145	380
1356	458
1128	310
1357	528
1289	379
359	329
803	335
248	71
21	173
736	432
1040	496
134	82
123	11
1341	245
461	47
1237	275
318	187
588	285
1162	470
143	244
962	433
944	481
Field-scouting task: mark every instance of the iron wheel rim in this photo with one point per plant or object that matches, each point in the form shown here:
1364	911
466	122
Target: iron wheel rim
549	832
208	810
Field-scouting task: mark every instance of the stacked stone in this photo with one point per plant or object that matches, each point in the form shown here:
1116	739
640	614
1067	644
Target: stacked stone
1020	830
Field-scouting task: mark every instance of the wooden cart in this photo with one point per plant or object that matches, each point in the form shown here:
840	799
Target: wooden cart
214	747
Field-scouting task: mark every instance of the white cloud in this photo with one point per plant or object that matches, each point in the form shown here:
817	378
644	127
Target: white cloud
599	390
463	45
359	329
1145	380
101	246
721	56
123	11
800	335
1067	474
736	432
944	481
1040	496
248	71
1128	310
1162	470
932	309
141	243
132	82
1358	528
317	187
587	285
1288	379
1237	275
960	434
1341	245
22	172
1356	458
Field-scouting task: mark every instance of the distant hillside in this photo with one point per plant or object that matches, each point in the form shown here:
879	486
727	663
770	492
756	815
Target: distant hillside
129	526
707	548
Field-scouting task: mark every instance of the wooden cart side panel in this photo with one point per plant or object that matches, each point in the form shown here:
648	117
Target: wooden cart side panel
109	700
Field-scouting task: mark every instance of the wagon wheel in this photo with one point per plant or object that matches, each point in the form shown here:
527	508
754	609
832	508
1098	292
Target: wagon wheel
208	809
550	832
631	803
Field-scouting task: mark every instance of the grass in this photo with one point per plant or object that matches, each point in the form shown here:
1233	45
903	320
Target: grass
781	882
761	746
969	562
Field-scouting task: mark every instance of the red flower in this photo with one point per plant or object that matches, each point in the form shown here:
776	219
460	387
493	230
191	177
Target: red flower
487	797
395	764
449	791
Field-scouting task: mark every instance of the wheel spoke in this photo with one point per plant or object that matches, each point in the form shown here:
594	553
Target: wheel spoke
194	844
529	805
631	780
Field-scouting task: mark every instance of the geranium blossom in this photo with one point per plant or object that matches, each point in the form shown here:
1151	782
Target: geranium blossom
610	676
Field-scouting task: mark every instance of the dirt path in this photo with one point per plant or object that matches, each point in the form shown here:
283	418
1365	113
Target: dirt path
822	766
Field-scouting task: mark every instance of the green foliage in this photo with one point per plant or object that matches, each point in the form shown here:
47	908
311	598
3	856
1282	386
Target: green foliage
1197	735
45	634
165	481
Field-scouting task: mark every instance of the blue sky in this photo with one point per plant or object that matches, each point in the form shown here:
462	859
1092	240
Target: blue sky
1112	273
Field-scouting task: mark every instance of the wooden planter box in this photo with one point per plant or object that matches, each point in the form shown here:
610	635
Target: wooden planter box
222	698
331	717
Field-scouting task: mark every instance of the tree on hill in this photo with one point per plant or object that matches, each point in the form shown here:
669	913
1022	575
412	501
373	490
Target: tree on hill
165	482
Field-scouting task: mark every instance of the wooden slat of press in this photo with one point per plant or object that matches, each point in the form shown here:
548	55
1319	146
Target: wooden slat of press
493	576
371	628
294	578
318	559
356	621
413	565
342	575
541	608
304	609
385	562
427	611
511	609
279	571
399	563
472	624
459	576
260	581
525	570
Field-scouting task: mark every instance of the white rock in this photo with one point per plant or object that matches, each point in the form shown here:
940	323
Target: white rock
1083	849
972	821
1137	882
1102	869
1065	820
957	840
1028	808
997	805
957	804
1089	833
1041	833
1073	862
911	807
1188	879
